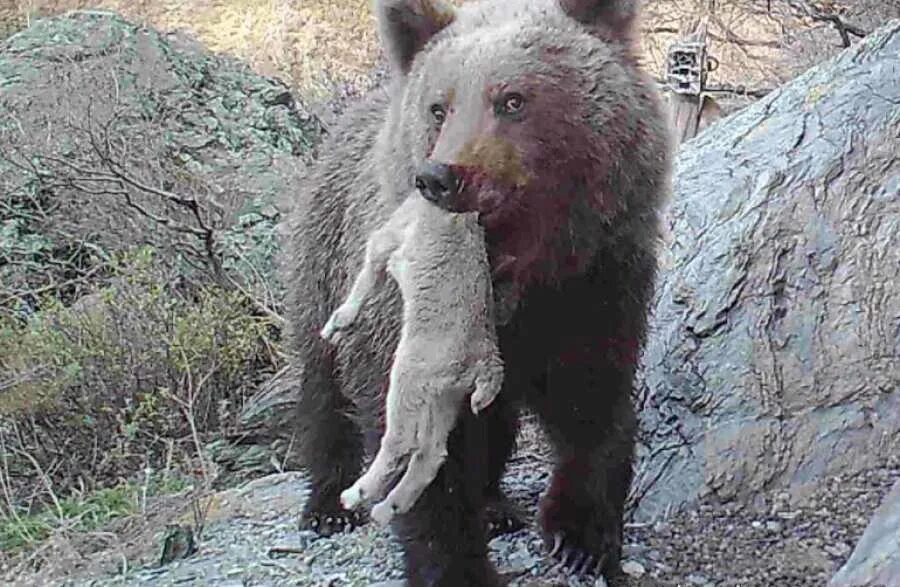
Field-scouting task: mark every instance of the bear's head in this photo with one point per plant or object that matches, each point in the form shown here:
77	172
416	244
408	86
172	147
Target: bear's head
531	112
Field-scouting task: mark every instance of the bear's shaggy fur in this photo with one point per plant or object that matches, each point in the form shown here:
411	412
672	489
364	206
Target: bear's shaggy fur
558	140
447	350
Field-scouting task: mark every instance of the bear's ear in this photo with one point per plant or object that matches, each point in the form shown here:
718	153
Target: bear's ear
406	26
615	15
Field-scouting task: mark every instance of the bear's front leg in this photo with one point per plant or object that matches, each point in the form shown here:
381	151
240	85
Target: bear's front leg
331	447
592	429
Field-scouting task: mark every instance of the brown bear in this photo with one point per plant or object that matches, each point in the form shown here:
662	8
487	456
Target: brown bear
534	113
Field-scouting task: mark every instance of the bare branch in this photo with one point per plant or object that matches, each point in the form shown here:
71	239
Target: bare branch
844	28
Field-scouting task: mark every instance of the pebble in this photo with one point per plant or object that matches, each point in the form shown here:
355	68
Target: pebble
370	557
837	550
633	569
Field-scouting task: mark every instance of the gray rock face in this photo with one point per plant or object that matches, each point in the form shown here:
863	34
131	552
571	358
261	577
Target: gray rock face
876	559
774	353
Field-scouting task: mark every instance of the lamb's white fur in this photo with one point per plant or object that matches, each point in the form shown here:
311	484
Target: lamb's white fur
447	349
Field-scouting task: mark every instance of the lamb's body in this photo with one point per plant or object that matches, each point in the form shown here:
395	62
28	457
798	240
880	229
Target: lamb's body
447	349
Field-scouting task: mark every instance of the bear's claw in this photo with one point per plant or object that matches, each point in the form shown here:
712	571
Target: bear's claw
502	517
329	523
573	559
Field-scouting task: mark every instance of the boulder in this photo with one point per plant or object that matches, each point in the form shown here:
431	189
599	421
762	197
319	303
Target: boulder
774	352
876	558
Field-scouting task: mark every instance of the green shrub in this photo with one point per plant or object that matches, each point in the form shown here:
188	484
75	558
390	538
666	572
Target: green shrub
23	529
99	389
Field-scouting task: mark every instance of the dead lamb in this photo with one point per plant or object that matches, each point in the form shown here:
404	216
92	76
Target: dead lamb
447	348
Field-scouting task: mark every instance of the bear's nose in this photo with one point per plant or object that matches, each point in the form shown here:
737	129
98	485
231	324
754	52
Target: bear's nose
437	182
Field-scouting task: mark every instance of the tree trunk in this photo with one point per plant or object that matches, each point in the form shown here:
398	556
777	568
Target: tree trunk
774	354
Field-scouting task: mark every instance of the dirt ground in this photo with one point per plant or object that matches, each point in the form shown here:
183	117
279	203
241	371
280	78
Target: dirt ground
251	536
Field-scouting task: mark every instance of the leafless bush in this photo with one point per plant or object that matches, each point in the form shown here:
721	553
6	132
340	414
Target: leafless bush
760	44
124	324
114	186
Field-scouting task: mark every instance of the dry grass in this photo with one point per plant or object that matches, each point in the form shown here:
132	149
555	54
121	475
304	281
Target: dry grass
313	44
310	43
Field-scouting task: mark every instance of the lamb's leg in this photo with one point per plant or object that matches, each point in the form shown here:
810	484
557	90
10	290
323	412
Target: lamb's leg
376	478
398	440
425	462
379	247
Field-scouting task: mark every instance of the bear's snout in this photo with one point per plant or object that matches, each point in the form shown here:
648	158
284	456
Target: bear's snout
438	183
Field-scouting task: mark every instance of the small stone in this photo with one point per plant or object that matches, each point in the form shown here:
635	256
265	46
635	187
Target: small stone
756	524
663	568
601	582
789	515
306	537
632	549
633	569
837	550
759	503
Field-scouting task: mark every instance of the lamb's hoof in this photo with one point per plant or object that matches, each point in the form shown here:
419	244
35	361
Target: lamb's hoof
352	497
383	513
479	401
330	332
338	323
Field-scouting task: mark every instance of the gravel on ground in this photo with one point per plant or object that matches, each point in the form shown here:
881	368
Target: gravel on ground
251	538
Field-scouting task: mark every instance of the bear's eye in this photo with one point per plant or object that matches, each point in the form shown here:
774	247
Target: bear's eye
512	104
438	113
